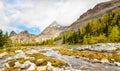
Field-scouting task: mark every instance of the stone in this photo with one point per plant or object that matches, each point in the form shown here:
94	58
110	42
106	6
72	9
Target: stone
104	61
20	54
7	65
32	67
27	65
96	60
49	64
117	63
17	64
9	58
30	58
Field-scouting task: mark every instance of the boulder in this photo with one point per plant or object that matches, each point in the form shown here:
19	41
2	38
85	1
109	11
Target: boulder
96	60
117	63
9	58
32	67
17	64
20	54
7	65
27	65
49	64
104	61
3	54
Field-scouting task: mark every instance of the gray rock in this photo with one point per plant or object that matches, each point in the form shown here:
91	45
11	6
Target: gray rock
117	63
31	51
17	64
20	54
27	65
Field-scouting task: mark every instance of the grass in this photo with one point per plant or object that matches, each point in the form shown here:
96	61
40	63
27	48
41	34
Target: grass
40	60
91	55
55	62
12	69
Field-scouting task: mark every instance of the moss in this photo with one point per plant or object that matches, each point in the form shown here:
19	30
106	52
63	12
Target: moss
12	63
41	62
116	57
12	69
55	62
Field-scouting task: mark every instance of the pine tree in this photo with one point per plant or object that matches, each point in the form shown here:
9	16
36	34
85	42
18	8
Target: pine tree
7	41
1	39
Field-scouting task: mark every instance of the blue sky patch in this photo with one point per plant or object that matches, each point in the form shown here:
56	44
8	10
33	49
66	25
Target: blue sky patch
30	30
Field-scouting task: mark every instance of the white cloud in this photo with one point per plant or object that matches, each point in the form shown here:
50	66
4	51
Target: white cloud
41	13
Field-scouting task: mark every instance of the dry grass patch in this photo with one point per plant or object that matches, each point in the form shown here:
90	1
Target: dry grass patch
91	55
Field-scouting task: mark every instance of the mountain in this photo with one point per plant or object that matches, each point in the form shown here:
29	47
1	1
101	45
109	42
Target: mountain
98	11
22	37
52	31
13	33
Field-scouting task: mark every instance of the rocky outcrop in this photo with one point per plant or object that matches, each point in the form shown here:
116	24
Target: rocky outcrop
13	33
22	37
98	11
52	31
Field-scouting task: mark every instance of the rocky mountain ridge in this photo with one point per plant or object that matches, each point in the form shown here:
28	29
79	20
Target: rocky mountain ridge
23	36
52	31
98	11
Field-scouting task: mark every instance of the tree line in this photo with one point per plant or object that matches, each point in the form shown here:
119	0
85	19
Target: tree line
105	29
4	40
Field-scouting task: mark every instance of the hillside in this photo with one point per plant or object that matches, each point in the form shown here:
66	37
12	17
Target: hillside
98	11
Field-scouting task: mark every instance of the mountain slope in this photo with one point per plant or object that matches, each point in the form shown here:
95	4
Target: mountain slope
98	11
52	31
13	33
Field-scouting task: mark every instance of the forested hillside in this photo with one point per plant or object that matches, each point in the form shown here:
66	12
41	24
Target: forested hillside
105	29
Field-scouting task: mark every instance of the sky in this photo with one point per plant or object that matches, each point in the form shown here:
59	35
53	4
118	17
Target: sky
36	15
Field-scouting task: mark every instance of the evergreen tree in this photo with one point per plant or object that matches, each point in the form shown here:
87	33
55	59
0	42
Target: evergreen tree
1	39
7	41
114	34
